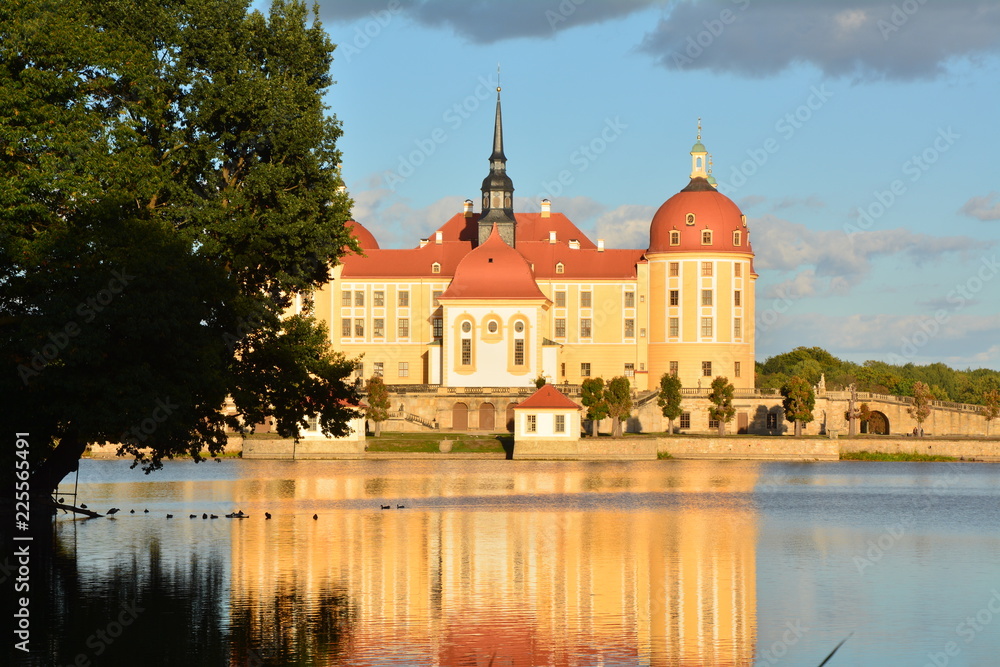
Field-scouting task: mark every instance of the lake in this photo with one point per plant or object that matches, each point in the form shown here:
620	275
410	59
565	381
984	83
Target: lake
493	562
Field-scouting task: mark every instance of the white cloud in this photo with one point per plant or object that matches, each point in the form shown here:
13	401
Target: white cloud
625	227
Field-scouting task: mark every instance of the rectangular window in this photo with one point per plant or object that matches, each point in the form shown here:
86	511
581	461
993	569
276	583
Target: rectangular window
706	297
706	268
706	369
737	297
706	327
630	328
585	370
585	328
560	423
739	270
379	366
359	299
585	299
560	299
403	328
630	370
438	324
685	420
403	299
674	367
560	327
675	297
360	369
675	327
345	298
436	295
630	299
738	327
345	327
713	423
706	237
378	327
563	369
737	368
359	328
378	299
404	369
675	269
519	352
772	421
530	423
466	351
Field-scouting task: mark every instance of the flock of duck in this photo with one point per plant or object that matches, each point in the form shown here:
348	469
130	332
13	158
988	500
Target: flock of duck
238	514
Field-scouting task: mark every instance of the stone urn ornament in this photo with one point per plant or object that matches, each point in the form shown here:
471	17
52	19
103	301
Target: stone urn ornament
445	446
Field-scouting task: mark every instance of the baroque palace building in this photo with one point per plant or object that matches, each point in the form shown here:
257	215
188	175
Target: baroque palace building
496	299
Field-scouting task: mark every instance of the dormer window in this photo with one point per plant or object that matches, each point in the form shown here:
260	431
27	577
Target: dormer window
435	268
560	268
675	238
706	237
689	219
737	237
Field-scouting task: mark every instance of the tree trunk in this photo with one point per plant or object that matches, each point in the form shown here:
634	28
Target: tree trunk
593	427
798	429
670	425
616	427
378	429
722	428
63	460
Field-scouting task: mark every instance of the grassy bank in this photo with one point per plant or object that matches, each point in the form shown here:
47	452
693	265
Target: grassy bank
894	456
429	442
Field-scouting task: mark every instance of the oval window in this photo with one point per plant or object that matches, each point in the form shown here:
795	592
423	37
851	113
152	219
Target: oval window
492	326
519	327
466	327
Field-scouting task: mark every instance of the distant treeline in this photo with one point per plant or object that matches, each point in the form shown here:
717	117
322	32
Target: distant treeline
947	384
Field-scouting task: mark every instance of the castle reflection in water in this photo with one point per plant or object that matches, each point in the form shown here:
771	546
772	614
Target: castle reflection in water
498	565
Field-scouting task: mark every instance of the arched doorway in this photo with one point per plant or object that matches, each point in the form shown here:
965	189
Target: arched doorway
510	417
878	424
460	417
487	417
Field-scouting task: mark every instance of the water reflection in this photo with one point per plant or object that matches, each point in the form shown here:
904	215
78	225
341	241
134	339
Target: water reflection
495	563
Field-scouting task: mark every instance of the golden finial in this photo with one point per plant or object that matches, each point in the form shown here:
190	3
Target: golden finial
699	128
709	164
498	77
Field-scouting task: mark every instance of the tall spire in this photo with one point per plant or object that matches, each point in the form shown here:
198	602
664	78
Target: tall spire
498	189
699	154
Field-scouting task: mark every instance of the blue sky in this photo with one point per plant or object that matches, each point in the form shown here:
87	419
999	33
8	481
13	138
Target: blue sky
813	111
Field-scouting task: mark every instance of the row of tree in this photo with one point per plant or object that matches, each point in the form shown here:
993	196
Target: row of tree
811	363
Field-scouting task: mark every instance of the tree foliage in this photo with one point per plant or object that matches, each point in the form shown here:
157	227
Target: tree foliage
921	408
669	398
947	384
618	396
378	402
592	397
799	402
168	182
721	398
991	407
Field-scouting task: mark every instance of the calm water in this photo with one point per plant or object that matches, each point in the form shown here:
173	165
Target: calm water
527	563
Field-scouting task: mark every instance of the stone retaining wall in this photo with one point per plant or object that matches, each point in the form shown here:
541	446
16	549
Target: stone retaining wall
601	449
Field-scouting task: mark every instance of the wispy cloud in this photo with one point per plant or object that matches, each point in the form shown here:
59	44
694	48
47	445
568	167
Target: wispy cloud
984	208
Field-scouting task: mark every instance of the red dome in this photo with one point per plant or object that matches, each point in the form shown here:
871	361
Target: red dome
494	270
365	238
712	211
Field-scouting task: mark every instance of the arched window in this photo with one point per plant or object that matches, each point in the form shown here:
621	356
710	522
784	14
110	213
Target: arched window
560	268
737	237
675	238
435	268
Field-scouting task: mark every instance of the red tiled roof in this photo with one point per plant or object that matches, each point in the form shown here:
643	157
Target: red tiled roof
365	238
460	234
548	397
713	211
494	270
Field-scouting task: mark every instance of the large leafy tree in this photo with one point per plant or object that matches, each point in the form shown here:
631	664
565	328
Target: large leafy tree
592	397
669	398
168	183
618	396
721	398
991	408
799	401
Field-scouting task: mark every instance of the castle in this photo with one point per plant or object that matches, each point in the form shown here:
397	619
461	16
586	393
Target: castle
496	299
